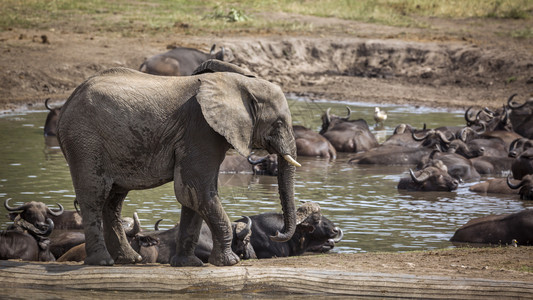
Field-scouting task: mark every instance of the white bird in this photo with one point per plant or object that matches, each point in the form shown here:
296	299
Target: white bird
379	116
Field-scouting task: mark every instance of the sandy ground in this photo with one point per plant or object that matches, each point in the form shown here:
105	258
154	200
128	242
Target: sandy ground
446	64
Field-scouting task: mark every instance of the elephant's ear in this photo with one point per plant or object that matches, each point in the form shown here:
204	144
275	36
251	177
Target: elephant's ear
229	109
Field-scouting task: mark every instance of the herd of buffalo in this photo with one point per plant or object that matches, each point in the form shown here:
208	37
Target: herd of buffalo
492	142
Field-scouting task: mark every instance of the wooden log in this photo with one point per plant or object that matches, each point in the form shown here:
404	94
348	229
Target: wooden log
63	279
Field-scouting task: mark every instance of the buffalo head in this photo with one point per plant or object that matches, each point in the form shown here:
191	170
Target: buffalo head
316	231
242	232
434	177
264	165
33	216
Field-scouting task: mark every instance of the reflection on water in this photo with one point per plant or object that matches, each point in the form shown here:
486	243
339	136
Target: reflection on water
362	200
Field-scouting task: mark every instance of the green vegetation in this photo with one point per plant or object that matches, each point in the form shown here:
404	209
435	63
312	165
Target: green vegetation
208	16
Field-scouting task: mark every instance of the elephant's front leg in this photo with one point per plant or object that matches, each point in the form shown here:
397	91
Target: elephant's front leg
115	238
220	227
199	198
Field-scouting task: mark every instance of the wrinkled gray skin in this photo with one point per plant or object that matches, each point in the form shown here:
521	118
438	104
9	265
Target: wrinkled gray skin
182	61
123	130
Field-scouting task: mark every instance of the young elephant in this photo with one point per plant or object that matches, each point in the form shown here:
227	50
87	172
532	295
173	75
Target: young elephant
124	130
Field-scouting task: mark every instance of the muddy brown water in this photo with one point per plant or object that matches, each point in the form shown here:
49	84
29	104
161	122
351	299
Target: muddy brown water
362	200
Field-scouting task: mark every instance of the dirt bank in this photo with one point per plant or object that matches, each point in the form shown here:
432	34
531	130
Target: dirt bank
448	64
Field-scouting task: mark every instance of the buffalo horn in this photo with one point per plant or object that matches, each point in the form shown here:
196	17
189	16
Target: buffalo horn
77	206
349	113
469	121
420	179
483	127
156	225
328	118
514	142
443	137
20	207
513	105
488	112
339	236
244	232
505	115
50	227
56	213
213	48
418	139
464	133
514	187
257	161
400	129
136	226
33	230
46	104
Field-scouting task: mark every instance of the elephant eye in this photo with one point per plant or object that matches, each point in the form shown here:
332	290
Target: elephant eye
278	123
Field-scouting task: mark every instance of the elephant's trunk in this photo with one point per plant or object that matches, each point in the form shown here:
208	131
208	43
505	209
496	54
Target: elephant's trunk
286	192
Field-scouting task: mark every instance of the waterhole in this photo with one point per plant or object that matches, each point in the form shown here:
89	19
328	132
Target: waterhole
362	200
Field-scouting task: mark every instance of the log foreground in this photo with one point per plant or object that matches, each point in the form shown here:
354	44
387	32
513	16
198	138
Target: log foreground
137	281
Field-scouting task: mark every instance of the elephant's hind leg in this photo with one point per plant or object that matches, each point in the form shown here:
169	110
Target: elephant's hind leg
91	212
115	238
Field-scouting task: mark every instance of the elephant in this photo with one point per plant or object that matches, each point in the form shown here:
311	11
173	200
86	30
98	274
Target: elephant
123	130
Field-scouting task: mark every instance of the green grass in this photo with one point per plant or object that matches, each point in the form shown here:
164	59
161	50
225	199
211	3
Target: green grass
211	16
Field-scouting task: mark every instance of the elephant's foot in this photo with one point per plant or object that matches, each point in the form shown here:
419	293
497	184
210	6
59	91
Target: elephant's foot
99	258
225	258
185	261
130	257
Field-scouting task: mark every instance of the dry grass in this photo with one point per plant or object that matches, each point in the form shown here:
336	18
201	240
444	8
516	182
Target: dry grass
197	17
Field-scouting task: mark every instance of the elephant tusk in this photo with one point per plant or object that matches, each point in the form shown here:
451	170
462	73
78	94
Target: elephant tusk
291	160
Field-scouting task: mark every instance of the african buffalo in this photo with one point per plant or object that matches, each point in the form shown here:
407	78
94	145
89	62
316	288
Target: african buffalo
144	245
489	120
35	214
312	232
459	167
27	241
523	164
497	229
493	186
391	155
50	125
310	143
492	164
434	177
518	146
521	116
347	135
434	138
167	241
525	185
63	241
182	61
15	244
253	164
63	219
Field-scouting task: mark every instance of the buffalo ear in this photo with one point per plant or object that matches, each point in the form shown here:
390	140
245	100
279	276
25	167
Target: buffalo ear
307	228
229	108
12	216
